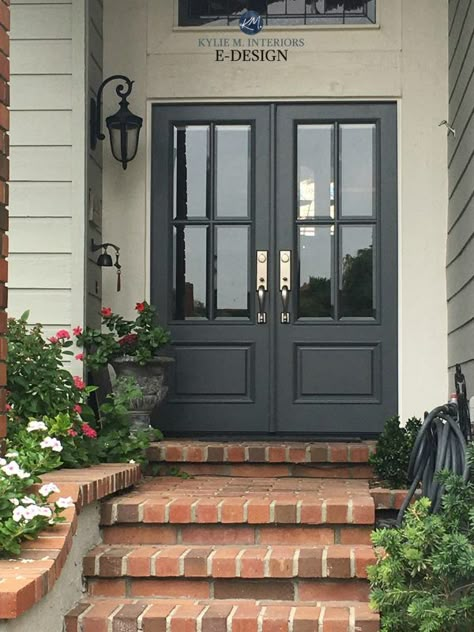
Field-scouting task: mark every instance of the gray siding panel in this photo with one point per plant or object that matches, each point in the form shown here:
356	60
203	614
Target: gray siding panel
460	245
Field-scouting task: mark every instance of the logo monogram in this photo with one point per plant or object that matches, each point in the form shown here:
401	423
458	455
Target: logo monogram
251	23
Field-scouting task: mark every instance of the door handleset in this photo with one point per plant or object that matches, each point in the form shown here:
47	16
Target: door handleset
262	285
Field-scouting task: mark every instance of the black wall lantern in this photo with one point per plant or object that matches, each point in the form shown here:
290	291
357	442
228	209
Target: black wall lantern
124	127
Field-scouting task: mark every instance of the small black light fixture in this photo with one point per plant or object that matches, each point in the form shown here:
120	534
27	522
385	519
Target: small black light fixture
124	127
104	260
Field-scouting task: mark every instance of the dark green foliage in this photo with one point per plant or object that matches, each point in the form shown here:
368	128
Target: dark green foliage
394	446
424	578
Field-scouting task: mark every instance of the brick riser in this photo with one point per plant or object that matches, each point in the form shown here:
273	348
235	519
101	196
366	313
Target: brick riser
267	470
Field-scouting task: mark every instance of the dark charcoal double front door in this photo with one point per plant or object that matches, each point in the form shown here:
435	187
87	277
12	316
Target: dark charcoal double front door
274	264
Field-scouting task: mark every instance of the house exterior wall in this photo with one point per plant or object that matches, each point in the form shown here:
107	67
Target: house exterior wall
4	173
48	162
403	58
460	254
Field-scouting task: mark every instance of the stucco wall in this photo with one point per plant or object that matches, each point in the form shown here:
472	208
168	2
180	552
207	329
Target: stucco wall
403	58
460	256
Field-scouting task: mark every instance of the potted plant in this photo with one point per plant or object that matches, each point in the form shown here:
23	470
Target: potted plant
131	347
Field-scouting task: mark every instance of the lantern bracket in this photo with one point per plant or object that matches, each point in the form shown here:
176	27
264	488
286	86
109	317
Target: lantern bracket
96	106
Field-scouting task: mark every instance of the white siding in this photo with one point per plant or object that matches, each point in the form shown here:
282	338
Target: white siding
47	192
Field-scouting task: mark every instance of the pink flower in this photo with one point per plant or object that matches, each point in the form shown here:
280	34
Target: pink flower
79	356
7	407
72	433
78	409
79	383
140	307
89	432
53	340
106	312
63	335
77	331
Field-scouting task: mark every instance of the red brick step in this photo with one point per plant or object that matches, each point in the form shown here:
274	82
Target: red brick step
259	458
172	615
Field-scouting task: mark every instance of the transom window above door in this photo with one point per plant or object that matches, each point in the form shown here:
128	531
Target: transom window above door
277	12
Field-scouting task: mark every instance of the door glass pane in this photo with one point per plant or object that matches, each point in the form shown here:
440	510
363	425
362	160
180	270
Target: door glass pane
191	158
358	159
190	267
232	271
315	278
315	156
232	170
356	284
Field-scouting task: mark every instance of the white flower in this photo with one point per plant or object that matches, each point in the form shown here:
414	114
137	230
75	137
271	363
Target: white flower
49	488
27	501
31	512
18	513
51	442
11	469
36	425
12	454
45	512
132	461
65	503
15	501
22	474
3	462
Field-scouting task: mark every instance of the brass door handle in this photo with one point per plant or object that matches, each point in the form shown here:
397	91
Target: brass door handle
285	284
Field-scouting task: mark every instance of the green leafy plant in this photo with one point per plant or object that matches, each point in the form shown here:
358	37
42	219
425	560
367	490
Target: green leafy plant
38	384
394	447
115	442
424	577
23	514
140	338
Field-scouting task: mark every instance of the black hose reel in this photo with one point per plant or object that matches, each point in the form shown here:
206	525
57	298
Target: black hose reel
440	445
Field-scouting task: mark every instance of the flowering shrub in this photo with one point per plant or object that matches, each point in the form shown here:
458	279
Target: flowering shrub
24	514
140	338
38	384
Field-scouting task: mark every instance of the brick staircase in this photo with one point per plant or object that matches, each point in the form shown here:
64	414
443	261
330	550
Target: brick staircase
235	551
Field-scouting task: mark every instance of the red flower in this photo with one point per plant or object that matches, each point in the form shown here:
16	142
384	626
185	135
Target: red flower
106	312
7	407
140	307
63	335
79	383
79	356
53	340
78	409
129	339
72	433
77	331
89	432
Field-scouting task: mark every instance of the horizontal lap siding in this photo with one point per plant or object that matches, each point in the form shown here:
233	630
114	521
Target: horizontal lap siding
460	251
42	163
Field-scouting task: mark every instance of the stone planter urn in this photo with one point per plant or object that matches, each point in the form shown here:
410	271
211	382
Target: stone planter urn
151	378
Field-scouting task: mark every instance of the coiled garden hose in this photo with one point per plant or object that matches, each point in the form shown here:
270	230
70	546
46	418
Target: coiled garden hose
440	445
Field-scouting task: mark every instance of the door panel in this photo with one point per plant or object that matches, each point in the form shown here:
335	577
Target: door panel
336	211
211	174
301	338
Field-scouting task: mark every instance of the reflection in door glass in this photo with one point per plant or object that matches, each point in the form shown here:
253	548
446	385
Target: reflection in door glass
315	171
231	270
315	278
358	159
190	278
356	284
190	159
232	170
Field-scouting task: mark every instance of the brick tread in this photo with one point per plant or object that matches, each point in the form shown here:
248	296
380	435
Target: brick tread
163	615
249	562
319	452
234	501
